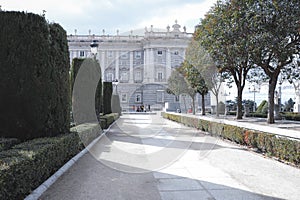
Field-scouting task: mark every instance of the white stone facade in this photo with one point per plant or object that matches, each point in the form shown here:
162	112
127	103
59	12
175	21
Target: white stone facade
141	64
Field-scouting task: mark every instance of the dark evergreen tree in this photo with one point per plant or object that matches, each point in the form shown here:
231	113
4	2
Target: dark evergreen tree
34	86
107	94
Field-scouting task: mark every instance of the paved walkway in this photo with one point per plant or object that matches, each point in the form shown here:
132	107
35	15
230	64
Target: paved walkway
147	157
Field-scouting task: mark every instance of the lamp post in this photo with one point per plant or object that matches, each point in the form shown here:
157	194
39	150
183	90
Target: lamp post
94	48
115	84
254	89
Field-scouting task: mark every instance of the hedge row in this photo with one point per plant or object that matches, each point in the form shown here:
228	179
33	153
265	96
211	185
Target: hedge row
27	165
7	143
107	120
291	116
286	116
270	144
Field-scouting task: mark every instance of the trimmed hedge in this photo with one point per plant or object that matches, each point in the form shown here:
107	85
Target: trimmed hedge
259	115
107	120
27	165
76	64
34	84
7	143
261	106
291	116
270	144
107	94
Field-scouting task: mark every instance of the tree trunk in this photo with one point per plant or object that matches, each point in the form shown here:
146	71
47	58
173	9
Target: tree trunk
186	111
272	86
203	104
217	111
193	102
239	113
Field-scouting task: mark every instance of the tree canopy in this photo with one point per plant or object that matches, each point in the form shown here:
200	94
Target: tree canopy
274	27
241	35
224	34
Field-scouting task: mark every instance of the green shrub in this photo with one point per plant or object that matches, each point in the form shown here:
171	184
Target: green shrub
34	84
216	128
107	120
7	143
234	133
250	138
107	94
260	107
291	116
260	115
27	165
76	64
264	110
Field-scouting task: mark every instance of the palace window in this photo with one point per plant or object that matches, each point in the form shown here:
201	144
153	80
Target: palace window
110	54
124	55
124	76
160	96
138	76
159	76
124	97
109	77
138	98
159	52
81	53
138	54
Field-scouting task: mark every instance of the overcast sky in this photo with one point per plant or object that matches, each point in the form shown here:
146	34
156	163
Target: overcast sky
111	15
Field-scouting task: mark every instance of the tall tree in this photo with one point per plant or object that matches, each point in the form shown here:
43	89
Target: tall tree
178	85
224	33
275	29
196	82
202	70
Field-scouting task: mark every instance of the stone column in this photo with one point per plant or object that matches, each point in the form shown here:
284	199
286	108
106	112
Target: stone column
117	65
131	67
168	64
102	64
146	64
151	66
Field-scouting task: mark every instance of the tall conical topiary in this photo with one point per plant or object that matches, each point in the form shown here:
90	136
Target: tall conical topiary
34	86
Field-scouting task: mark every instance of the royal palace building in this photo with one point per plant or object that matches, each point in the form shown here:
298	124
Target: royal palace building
140	64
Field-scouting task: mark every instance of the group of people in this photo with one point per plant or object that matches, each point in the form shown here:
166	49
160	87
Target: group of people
141	108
